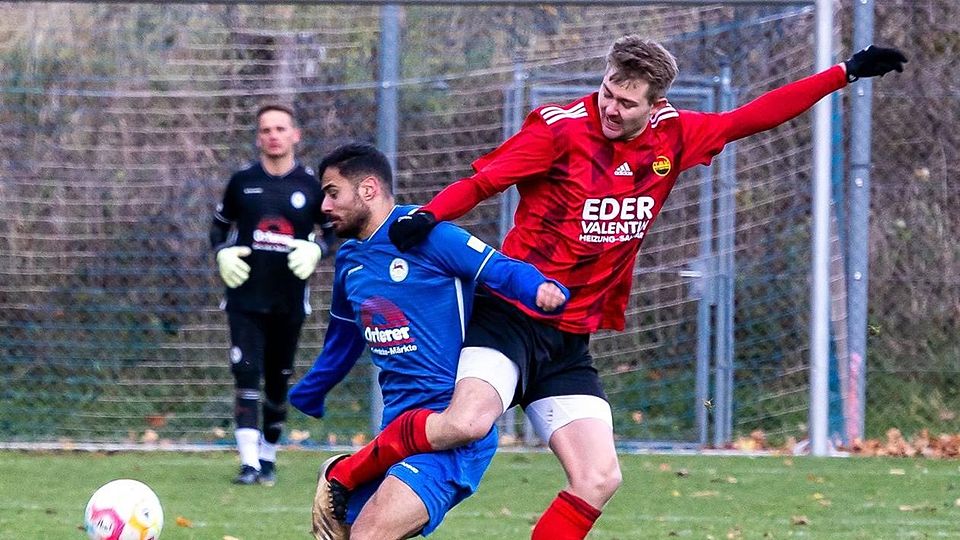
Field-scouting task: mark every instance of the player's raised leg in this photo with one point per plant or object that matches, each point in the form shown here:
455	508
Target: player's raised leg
486	382
580	433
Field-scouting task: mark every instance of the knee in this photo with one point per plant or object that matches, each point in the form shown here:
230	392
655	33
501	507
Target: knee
464	427
611	481
599	482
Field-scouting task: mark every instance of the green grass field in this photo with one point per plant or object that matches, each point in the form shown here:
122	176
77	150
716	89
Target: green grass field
42	496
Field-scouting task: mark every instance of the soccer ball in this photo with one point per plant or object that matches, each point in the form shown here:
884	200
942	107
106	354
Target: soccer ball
124	510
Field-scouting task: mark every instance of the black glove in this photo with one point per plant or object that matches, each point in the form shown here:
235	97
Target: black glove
408	231
874	61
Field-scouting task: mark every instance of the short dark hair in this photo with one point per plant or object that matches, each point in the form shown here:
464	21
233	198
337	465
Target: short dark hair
634	58
356	160
277	107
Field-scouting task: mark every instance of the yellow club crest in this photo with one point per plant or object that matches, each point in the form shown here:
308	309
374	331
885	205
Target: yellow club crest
661	165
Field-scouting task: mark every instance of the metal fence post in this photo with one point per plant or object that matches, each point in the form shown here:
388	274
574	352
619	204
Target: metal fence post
726	231
820	243
858	212
512	118
387	127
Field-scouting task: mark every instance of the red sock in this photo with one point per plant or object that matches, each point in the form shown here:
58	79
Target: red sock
567	518
404	437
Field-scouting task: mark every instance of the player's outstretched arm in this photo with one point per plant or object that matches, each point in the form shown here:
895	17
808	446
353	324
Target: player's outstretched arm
787	102
458	253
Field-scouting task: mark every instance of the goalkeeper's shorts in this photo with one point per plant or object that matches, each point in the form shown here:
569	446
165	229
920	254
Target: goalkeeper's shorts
440	479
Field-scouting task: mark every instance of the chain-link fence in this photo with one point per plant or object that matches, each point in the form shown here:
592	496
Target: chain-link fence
120	125
914	288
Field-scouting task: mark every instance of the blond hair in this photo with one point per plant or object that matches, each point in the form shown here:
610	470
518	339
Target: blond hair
633	58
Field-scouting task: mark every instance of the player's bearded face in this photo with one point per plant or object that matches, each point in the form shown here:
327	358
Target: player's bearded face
624	107
347	212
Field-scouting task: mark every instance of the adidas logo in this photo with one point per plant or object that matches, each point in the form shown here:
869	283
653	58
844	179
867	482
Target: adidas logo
623	170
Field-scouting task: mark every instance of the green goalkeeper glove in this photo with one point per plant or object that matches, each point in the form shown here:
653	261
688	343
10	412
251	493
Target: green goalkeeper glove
304	258
232	268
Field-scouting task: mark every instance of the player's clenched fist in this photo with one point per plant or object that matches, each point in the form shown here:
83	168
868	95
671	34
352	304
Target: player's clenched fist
549	296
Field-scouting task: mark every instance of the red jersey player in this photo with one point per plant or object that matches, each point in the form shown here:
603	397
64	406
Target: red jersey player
592	177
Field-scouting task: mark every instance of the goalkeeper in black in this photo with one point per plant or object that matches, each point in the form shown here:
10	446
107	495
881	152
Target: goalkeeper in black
264	239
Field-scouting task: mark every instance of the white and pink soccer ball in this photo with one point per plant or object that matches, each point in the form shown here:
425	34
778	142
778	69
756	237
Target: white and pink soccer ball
124	510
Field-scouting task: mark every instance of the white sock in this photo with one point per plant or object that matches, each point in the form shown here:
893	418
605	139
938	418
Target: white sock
268	451
247	442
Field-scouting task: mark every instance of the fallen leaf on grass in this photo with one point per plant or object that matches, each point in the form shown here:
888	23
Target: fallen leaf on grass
897	472
184	522
298	435
799	520
916	508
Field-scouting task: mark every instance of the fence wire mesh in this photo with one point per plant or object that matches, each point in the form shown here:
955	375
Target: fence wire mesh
120	124
914	288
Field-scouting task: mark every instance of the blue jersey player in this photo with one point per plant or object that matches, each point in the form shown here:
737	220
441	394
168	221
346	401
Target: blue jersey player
410	309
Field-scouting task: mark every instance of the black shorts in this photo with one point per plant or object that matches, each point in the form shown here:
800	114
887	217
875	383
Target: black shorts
264	344
552	362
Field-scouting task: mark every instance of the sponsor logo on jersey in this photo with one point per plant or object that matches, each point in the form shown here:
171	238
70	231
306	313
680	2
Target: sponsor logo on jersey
399	269
612	220
273	233
661	166
623	170
385	327
410	467
298	199
252	190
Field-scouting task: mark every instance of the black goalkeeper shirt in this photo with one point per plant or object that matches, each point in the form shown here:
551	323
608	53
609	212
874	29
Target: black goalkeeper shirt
265	212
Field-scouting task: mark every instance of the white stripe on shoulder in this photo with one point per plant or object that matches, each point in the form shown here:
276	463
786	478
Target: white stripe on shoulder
554	114
354	269
663	114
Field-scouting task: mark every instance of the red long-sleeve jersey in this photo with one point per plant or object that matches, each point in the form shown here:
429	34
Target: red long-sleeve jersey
587	202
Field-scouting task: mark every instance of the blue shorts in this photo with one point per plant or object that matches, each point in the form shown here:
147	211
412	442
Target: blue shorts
440	479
